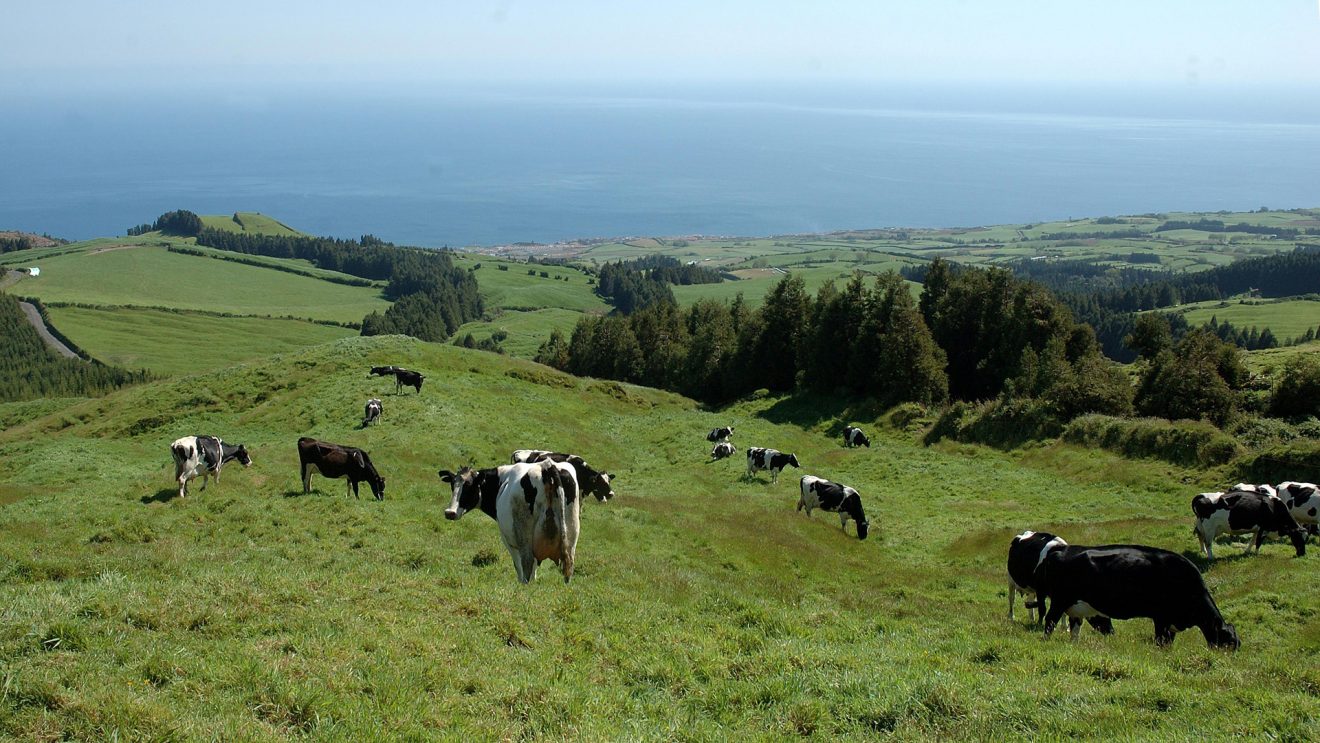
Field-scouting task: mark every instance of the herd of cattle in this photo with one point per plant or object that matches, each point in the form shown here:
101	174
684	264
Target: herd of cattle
1124	581
536	502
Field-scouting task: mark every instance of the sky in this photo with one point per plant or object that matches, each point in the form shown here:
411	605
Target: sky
67	45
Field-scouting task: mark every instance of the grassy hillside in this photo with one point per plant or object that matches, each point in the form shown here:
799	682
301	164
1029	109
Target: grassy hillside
183	343
1286	318
143	274
704	606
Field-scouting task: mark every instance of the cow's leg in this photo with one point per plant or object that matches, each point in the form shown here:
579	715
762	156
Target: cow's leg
843	522
306	478
802	503
1012	589
353	486
1164	633
1055	613
1074	628
529	564
1103	625
1257	536
206	479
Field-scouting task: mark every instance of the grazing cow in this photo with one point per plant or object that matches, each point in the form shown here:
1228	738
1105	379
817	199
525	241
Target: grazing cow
759	458
599	484
835	498
1125	581
536	506
722	450
1025	554
853	436
334	461
203	455
720	434
382	371
1303	501
372	413
405	378
528	455
1242	511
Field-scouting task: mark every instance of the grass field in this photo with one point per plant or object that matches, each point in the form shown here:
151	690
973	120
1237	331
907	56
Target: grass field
249	222
1286	318
514	288
526	330
152	276
703	608
171	343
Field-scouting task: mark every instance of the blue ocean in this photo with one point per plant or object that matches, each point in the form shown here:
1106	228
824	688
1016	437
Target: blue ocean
479	167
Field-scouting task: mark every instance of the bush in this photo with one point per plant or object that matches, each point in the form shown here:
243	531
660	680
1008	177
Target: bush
1298	392
1297	460
1181	442
1003	423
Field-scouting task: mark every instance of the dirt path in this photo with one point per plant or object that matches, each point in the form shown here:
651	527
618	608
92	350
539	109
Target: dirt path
34	317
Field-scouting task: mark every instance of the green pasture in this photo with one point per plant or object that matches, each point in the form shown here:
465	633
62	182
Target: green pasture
704	606
250	222
526	330
152	276
514	288
1288	318
170	343
1270	360
279	264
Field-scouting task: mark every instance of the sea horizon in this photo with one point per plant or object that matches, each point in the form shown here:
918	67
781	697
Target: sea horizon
474	166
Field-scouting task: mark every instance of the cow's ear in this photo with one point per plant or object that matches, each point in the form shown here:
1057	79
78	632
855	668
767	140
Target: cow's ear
612	477
446	475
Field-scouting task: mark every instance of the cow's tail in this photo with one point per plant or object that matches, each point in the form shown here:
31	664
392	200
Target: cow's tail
553	480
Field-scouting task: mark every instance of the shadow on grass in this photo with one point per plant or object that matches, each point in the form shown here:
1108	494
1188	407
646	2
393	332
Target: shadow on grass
810	410
1228	553
298	493
164	495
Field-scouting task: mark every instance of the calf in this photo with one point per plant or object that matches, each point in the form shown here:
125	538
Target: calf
722	450
204	456
1303	502
853	436
720	434
1025	554
1124	581
334	461
835	498
535	505
759	458
1242	511
372	413
598	483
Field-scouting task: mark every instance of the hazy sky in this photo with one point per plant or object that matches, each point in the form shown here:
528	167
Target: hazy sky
53	44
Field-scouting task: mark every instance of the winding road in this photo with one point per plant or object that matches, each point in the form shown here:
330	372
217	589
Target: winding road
34	317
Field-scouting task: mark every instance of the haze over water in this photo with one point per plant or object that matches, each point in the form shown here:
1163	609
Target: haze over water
466	167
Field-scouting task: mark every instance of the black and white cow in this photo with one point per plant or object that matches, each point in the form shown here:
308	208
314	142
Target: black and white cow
853	436
372	412
383	371
1303	502
405	378
1240	512
1126	581
204	456
722	450
335	461
759	458
720	434
589	479
831	496
536	506
527	455
1250	488
1025	554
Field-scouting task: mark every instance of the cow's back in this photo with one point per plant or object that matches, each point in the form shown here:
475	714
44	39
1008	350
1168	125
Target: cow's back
1124	581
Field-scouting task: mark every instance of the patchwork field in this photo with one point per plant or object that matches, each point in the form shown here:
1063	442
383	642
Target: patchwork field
1286	318
183	342
704	606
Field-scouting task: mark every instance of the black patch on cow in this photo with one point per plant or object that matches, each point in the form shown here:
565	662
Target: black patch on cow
211	454
529	492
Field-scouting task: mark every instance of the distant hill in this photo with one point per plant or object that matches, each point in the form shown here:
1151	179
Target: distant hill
254	223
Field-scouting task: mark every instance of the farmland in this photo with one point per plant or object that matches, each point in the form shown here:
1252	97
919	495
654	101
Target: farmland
1286	318
703	606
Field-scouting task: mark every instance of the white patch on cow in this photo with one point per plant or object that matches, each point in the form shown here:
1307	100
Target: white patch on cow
1052	544
1210	529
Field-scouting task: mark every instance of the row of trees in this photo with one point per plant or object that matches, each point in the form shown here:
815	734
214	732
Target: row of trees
30	370
1217	225
973	335
637	284
432	297
180	222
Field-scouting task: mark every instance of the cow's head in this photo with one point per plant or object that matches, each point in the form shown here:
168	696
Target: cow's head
373	478
599	484
858	514
1298	537
465	492
1223	636
865	441
241	454
792	459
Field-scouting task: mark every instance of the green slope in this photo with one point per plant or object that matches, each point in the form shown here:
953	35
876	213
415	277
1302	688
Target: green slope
704	607
250	222
149	275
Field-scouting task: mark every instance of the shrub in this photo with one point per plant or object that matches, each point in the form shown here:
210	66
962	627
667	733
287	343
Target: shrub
1298	391
1181	442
